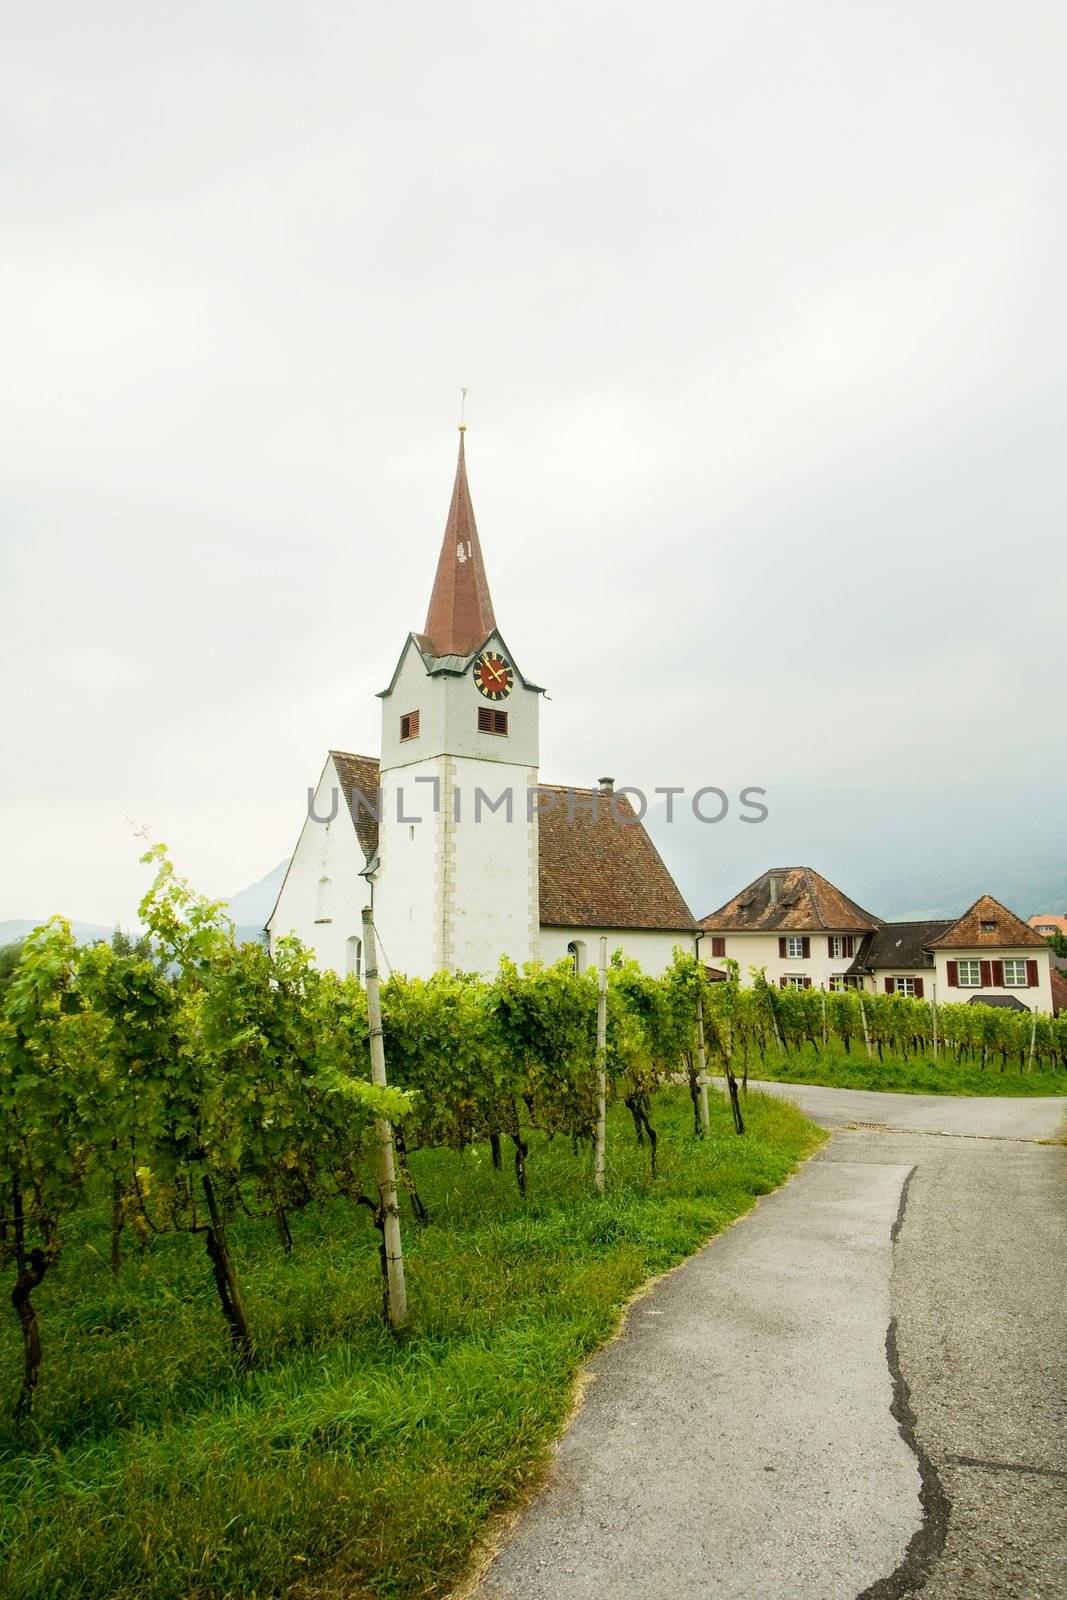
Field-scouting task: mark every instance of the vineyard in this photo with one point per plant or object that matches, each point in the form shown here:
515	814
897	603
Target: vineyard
208	1125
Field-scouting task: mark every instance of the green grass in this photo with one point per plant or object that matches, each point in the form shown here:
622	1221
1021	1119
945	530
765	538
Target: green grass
916	1075
347	1464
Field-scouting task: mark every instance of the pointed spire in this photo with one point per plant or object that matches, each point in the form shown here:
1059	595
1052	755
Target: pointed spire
461	610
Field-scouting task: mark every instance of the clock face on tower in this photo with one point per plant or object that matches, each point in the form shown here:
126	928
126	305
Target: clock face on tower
493	675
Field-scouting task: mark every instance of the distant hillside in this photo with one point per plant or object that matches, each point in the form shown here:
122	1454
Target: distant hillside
251	907
898	856
17	928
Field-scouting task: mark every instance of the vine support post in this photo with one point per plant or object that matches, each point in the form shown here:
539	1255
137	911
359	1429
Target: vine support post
866	1030
1033	1040
396	1302
601	1064
822	997
702	1070
933	1014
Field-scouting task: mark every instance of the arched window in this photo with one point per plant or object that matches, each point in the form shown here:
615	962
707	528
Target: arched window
323	900
576	951
354	957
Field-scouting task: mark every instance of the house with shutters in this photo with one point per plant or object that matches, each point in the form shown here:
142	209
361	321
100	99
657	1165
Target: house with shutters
798	928
989	955
791	923
464	854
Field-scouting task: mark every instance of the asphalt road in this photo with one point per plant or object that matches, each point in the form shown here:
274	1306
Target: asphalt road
858	1390
976	1116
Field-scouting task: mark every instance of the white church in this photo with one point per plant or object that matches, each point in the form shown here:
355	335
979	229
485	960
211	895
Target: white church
449	834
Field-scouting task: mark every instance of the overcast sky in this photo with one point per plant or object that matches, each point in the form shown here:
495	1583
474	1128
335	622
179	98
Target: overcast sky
761	312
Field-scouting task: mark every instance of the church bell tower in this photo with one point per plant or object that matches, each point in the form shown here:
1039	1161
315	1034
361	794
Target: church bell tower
456	882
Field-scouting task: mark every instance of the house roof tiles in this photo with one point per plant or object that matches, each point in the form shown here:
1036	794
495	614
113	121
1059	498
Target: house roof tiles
898	946
806	902
988	925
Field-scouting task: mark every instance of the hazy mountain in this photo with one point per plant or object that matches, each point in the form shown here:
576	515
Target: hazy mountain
897	855
251	907
16	928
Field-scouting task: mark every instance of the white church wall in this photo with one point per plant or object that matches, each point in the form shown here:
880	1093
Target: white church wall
323	895
490	878
407	894
653	950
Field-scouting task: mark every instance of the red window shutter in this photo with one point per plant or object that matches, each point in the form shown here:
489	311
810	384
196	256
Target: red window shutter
919	988
998	974
807	947
1031	974
850	946
718	947
485	720
830	947
781	981
890	986
807	983
781	952
986	969
953	974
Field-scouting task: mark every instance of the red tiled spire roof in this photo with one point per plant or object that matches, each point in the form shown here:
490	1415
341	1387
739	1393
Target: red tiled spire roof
461	610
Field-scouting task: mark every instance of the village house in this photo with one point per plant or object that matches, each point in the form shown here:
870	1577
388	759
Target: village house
464	854
802	932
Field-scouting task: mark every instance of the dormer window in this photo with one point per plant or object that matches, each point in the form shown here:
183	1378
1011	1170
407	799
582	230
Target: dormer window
492	721
409	725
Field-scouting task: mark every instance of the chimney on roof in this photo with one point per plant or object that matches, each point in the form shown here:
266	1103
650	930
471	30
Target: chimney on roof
775	886
606	785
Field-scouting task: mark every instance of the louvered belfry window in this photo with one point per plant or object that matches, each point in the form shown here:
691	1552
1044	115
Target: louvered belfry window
492	721
409	725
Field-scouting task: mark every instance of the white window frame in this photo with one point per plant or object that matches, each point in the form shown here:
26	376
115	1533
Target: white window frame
795	980
576	953
836	983
904	986
1017	964
971	966
794	947
837	946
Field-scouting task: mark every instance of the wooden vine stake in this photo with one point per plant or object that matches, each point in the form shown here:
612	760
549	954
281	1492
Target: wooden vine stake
1033	1040
601	1066
396	1299
702	1070
933	1015
866	1030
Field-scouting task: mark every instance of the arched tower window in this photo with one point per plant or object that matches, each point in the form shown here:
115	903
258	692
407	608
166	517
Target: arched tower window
354	957
323	900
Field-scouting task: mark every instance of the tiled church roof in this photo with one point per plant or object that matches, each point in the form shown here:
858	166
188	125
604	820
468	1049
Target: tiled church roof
359	774
598	868
807	902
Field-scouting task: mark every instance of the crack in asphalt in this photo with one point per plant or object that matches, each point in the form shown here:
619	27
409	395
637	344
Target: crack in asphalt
927	1542
1006	1466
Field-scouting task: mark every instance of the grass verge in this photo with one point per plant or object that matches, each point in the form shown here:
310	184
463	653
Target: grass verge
915	1075
347	1464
